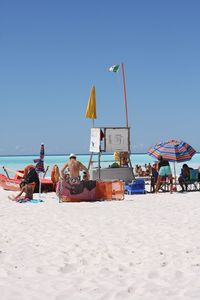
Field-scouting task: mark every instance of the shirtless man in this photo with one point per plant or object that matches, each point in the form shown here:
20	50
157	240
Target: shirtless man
74	168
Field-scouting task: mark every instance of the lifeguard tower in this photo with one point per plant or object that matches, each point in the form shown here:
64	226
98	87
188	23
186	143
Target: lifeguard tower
111	140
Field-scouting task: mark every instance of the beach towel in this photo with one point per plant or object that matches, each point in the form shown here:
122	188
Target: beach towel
36	201
27	200
30	201
24	200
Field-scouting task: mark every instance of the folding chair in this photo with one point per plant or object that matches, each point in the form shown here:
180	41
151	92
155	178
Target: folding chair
136	187
192	183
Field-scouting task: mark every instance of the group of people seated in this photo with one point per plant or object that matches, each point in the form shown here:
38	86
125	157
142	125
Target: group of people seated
158	172
161	174
70	172
139	171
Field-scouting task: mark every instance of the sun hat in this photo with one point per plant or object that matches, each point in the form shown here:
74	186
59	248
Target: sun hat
72	155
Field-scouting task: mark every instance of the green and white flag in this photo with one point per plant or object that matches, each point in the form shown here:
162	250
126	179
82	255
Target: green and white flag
114	68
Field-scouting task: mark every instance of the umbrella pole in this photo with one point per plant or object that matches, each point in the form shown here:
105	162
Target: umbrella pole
45	171
175	175
40	185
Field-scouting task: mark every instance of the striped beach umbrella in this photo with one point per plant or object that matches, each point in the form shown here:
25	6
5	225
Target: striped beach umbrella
40	162
173	150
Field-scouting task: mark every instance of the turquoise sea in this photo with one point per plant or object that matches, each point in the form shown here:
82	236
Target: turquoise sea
19	162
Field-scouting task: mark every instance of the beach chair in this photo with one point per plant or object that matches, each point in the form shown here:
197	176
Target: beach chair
165	184
193	182
136	187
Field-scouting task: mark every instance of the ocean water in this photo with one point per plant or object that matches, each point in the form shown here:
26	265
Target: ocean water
19	162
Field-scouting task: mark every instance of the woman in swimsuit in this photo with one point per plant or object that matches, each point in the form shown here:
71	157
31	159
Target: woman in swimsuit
164	170
27	189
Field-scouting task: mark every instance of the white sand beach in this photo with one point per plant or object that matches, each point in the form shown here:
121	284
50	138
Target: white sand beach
145	247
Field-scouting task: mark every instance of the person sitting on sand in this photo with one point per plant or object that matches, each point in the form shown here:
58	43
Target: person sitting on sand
184	177
27	189
163	171
74	167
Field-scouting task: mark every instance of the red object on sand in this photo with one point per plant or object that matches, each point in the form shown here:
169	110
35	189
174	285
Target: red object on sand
13	184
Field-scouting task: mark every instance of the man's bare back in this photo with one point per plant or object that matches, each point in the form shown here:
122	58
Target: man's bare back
74	167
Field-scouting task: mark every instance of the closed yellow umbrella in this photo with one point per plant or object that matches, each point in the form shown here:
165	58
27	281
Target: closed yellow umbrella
91	107
91	112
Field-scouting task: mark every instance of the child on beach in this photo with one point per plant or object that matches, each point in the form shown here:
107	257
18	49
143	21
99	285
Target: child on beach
27	189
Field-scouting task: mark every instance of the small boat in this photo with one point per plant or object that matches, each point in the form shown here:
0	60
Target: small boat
13	184
9	184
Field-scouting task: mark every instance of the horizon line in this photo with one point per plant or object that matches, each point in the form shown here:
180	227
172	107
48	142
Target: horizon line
66	154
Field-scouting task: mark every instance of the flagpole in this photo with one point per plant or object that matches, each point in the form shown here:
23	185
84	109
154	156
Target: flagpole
126	109
91	155
91	113
125	100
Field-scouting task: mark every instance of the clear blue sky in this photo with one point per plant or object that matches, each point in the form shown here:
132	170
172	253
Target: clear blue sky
52	52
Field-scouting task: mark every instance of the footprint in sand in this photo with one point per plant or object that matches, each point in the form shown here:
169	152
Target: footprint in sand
131	290
67	268
83	262
125	294
122	269
163	264
153	275
178	274
39	270
105	271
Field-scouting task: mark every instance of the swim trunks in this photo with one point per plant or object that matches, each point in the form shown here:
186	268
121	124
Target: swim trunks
165	171
73	180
